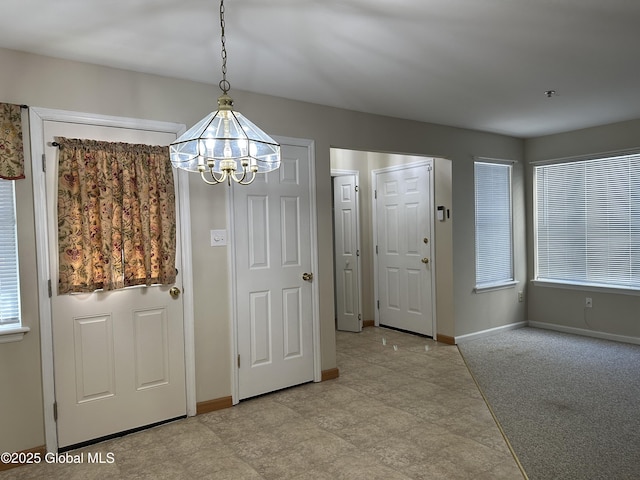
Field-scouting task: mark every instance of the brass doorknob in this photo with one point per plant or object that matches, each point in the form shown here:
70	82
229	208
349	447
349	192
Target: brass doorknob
425	260
174	292
307	277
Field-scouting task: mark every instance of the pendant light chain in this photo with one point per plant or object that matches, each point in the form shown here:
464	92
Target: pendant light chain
224	85
225	146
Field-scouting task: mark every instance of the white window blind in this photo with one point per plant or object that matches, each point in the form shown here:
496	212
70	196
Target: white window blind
587	222
9	281
494	230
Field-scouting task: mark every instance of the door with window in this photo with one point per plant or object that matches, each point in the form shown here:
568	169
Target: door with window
118	355
404	245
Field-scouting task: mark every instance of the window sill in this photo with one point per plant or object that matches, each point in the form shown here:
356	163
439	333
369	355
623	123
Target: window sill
15	334
586	287
495	286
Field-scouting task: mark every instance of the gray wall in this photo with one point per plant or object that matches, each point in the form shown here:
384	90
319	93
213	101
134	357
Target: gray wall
365	163
59	84
614	314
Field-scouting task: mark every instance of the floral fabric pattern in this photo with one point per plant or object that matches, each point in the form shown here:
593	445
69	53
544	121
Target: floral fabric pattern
116	215
11	146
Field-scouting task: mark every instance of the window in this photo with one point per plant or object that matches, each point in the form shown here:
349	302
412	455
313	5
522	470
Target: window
494	226
587	222
9	281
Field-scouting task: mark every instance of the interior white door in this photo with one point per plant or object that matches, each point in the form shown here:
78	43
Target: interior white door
274	302
118	356
403	243
346	253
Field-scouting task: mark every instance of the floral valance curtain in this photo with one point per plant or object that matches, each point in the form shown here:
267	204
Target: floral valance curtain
116	215
11	147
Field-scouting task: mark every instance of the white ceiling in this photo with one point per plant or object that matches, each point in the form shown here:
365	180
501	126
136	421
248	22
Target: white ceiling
480	64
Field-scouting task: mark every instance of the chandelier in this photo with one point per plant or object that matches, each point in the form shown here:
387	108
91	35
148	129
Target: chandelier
225	145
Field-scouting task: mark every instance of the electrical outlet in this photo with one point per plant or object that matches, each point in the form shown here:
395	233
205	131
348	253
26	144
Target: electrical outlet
521	296
588	303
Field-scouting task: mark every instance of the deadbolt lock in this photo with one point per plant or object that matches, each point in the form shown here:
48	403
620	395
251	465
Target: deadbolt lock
307	277
425	240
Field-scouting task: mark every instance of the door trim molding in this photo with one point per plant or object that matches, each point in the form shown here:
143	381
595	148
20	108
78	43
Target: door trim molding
427	162
317	373
37	117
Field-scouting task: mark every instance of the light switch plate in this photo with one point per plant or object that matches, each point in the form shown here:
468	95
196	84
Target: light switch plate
218	238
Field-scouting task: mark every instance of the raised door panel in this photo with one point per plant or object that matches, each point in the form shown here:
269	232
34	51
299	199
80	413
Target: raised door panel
261	328
289	171
348	282
151	348
290	234
414	291
393	288
292	322
392	232
258	231
94	358
346	239
411	222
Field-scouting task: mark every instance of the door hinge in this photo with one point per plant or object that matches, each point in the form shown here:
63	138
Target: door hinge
375	194
357	253
238	360
44	162
360	317
376	249
357	188
55	411
378	304
49	288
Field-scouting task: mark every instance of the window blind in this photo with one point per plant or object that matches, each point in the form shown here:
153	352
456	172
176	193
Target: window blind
493	221
587	223
9	281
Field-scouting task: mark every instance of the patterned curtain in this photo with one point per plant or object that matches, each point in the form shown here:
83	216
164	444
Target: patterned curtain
11	151
116	215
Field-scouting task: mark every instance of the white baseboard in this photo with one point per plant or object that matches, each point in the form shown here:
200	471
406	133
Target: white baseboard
489	332
585	332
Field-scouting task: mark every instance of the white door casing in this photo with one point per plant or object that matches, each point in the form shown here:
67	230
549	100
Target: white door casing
347	252
404	246
121	358
273	244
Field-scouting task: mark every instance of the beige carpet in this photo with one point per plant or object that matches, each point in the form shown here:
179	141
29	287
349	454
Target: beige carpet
569	404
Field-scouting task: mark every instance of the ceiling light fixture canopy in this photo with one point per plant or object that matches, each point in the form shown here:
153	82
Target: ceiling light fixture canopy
225	144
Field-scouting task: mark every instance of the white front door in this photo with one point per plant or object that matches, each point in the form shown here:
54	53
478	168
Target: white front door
274	303
119	359
403	242
346	253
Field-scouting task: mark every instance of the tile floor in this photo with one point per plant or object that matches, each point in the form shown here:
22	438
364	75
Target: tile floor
404	407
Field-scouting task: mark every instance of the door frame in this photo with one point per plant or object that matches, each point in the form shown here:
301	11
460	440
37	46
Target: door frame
337	172
37	117
427	162
232	254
